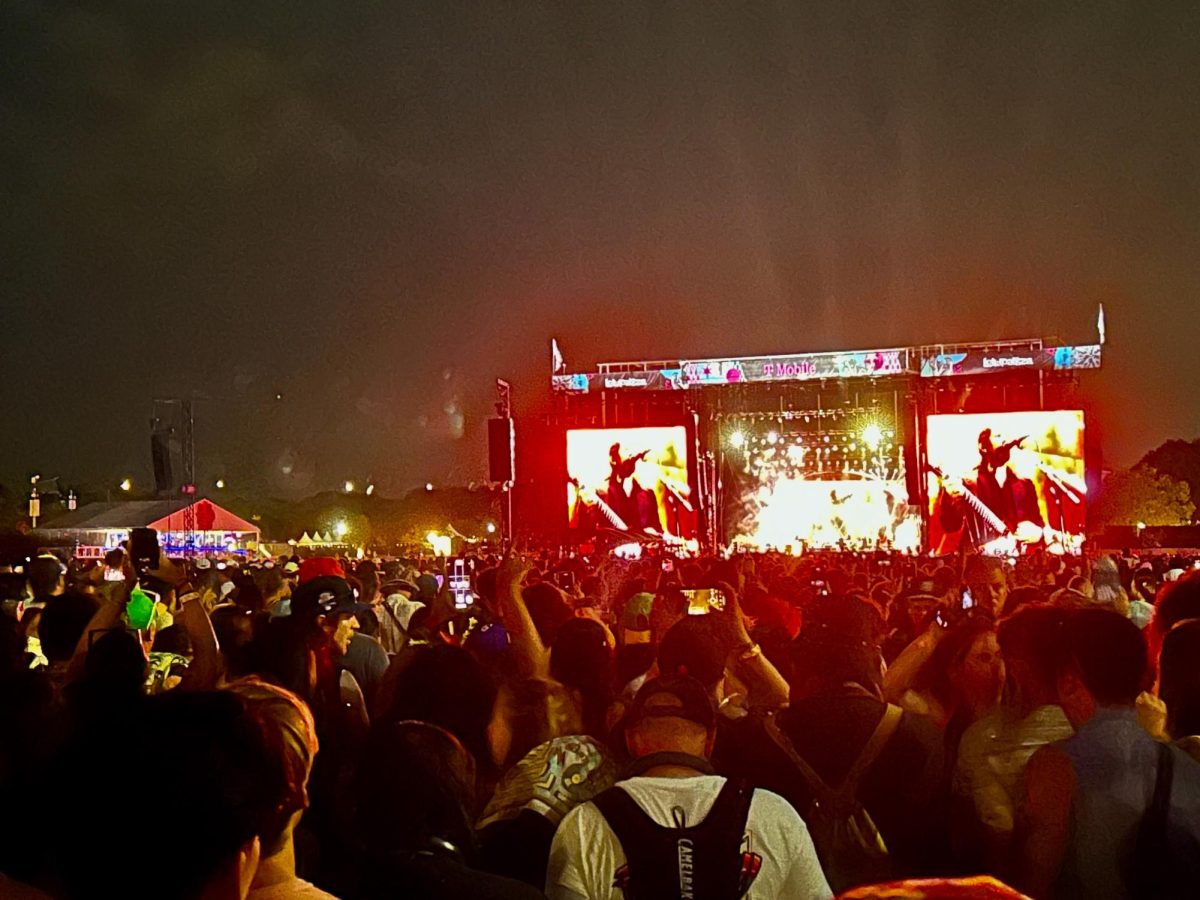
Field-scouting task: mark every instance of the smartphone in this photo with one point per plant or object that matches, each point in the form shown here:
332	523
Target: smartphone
968	601
702	602
143	549
460	582
565	580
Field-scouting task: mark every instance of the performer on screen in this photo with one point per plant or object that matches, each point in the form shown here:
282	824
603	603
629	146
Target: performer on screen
636	506
1000	500
663	506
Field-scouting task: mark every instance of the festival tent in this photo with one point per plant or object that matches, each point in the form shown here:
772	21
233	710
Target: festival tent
106	525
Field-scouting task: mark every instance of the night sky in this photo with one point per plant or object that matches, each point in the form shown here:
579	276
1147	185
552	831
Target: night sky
375	208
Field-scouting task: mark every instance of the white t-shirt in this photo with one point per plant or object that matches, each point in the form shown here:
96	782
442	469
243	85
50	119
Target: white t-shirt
296	889
585	854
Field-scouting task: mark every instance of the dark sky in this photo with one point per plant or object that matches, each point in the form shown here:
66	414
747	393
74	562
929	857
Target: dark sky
375	208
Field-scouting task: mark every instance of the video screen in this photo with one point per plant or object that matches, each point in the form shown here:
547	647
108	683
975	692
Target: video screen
1007	482
818	486
630	479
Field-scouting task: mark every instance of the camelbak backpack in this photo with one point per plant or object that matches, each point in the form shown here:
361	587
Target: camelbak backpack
687	862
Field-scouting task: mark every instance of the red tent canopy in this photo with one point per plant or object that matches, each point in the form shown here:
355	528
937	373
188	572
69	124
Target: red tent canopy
209	517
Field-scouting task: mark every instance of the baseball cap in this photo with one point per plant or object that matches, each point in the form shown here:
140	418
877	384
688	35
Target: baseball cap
321	566
922	589
694	646
673	697
291	568
203	564
325	595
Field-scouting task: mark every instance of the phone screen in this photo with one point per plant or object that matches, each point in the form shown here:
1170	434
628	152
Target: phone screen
460	583
702	602
968	601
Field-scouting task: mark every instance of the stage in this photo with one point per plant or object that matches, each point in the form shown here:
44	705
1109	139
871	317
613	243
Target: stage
934	448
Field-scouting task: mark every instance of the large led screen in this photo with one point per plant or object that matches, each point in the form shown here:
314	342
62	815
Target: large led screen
1005	482
630	479
807	487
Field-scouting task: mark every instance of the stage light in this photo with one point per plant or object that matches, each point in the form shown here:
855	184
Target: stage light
772	437
737	440
491	527
872	435
340	530
441	543
348	487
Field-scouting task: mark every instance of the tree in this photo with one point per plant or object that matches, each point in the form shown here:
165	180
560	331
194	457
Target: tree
1142	494
1178	459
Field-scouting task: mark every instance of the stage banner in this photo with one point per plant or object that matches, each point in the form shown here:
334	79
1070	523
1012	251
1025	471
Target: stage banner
587	382
796	367
978	362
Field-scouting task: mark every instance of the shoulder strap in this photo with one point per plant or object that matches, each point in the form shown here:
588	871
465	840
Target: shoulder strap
1160	806
888	723
883	732
823	793
732	806
623	814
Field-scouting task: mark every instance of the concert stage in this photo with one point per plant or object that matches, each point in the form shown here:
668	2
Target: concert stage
911	448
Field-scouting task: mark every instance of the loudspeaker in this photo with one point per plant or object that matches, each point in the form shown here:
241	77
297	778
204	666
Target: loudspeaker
160	456
501	449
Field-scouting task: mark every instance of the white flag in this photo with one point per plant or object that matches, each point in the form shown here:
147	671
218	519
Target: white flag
557	363
1100	323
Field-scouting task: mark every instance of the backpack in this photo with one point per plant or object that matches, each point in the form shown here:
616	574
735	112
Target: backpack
1155	869
696	862
850	847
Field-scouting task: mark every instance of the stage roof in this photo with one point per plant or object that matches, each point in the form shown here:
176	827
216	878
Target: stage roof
162	515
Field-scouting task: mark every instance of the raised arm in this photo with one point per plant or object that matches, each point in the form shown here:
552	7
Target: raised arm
532	656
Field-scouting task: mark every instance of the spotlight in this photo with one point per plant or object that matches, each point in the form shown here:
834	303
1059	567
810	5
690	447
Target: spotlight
872	435
772	437
737	440
370	489
340	529
348	487
491	528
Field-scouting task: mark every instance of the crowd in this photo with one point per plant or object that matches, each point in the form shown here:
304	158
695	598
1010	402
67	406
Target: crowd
763	726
